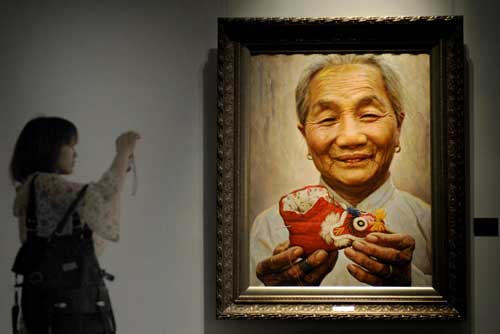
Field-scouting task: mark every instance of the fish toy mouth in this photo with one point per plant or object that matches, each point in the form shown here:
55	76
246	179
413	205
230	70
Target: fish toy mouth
316	221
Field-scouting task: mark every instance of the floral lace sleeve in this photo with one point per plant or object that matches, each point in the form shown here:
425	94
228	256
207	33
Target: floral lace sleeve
99	208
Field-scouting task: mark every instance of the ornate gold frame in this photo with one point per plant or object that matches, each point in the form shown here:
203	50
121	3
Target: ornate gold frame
442	38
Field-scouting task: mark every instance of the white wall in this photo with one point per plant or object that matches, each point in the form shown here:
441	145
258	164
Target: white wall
152	67
110	68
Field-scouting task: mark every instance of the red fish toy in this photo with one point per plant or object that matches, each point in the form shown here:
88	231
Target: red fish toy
316	221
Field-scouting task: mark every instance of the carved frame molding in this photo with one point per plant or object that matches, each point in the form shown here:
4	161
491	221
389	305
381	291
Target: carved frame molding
442	38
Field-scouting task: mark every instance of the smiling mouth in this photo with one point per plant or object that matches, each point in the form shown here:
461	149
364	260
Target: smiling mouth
352	158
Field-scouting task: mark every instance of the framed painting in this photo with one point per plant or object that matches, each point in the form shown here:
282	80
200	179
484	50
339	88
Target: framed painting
341	161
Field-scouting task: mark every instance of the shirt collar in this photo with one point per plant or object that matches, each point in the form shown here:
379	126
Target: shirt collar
375	200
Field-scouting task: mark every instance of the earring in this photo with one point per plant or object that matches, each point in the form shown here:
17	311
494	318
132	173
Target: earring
309	156
397	149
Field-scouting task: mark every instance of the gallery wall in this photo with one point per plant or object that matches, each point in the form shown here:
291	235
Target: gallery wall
151	66
111	67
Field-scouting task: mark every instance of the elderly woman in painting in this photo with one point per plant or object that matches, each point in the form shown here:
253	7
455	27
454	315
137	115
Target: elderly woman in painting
355	227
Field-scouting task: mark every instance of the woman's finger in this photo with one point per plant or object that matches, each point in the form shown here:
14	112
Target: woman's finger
397	241
384	254
299	270
363	276
281	247
279	261
373	266
317	275
133	135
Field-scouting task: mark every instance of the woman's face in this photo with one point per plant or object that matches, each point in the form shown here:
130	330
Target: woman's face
351	129
67	156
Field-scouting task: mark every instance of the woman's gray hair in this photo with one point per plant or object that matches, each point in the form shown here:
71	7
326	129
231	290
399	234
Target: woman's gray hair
391	81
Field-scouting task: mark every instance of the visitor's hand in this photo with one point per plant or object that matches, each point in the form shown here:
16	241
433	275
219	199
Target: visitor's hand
283	268
382	259
125	143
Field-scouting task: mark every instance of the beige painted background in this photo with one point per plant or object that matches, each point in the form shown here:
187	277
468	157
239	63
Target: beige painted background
276	151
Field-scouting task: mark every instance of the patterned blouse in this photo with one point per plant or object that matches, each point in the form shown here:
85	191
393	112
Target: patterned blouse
99	208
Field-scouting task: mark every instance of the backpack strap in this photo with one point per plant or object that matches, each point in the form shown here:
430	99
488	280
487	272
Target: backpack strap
62	222
15	308
31	220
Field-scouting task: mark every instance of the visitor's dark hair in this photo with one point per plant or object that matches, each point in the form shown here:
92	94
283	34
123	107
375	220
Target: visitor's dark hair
38	146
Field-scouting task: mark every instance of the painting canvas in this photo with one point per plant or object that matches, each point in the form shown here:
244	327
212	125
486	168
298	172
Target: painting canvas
277	161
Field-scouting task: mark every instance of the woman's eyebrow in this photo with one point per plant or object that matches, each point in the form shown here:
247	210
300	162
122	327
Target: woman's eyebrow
368	100
326	104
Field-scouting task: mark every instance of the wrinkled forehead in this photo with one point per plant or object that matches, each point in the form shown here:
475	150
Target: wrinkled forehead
347	82
351	73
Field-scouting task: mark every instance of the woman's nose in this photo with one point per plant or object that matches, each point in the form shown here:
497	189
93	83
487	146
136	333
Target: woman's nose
350	134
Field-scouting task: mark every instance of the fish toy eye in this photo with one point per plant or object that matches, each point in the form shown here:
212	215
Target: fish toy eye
360	224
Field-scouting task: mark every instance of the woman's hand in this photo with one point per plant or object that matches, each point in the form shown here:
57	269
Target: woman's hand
284	269
125	143
382	259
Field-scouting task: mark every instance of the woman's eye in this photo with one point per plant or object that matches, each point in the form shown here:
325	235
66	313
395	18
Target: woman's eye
329	120
370	116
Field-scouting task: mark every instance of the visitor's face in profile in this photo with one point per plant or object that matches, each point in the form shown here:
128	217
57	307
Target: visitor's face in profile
67	156
351	129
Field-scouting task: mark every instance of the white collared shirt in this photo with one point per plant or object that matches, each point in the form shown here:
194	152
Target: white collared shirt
405	214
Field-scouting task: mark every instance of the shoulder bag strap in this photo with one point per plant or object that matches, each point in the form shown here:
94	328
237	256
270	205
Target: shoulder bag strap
70	210
31	220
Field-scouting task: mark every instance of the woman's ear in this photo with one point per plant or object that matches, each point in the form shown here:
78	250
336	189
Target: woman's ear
302	129
398	129
402	116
